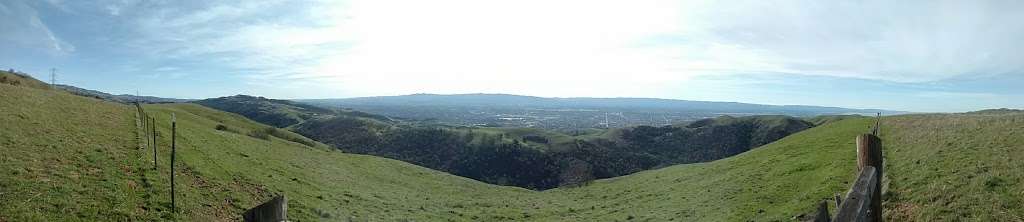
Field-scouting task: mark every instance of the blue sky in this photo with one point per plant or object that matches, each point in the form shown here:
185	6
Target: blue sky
928	56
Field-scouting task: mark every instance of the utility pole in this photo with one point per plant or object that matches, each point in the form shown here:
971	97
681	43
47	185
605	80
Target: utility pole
53	78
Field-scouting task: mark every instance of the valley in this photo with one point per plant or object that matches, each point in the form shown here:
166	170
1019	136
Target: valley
532	158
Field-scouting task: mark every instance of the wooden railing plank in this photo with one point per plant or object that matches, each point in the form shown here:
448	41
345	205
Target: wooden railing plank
857	206
274	210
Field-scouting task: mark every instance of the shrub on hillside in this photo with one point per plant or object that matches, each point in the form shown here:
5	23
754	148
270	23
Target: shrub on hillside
260	134
289	137
535	139
5	80
266	133
221	127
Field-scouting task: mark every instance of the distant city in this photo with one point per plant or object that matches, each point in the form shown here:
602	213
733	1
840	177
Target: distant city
554	119
562	114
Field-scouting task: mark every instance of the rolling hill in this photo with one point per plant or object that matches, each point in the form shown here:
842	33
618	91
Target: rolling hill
68	157
21	79
277	113
122	98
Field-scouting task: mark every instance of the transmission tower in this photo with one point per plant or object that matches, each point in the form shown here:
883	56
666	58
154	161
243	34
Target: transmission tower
53	78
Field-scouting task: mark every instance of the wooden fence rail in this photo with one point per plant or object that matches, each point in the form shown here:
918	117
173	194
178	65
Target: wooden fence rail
860	202
275	210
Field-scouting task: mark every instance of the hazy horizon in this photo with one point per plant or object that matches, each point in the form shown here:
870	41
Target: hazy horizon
916	56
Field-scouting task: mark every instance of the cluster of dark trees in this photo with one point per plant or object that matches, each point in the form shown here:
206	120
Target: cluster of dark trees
479	156
504	160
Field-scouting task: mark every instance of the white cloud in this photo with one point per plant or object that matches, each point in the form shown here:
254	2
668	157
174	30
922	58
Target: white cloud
30	33
907	41
585	48
579	47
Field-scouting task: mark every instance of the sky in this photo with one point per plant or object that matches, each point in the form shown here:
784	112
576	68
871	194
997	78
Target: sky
923	56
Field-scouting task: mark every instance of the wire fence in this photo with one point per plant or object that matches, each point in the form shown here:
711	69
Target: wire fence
148	131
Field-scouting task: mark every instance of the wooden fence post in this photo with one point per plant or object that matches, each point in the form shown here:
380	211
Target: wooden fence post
822	215
152	130
174	131
869	153
877	130
147	130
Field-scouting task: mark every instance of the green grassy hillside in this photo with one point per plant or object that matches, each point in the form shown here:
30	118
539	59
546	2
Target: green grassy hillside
955	167
66	157
826	119
21	79
70	158
774	182
74	158
279	113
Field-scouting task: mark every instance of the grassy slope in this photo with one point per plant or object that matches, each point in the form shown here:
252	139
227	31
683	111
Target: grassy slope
956	167
66	157
320	183
221	173
774	182
826	119
26	81
69	157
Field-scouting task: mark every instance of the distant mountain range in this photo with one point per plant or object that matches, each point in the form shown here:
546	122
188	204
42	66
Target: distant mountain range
507	100
123	98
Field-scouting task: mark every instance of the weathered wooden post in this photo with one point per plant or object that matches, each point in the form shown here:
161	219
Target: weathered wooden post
822	215
174	135
274	210
145	130
152	132
869	153
878	125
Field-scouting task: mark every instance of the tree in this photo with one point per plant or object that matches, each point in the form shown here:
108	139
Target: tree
575	173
